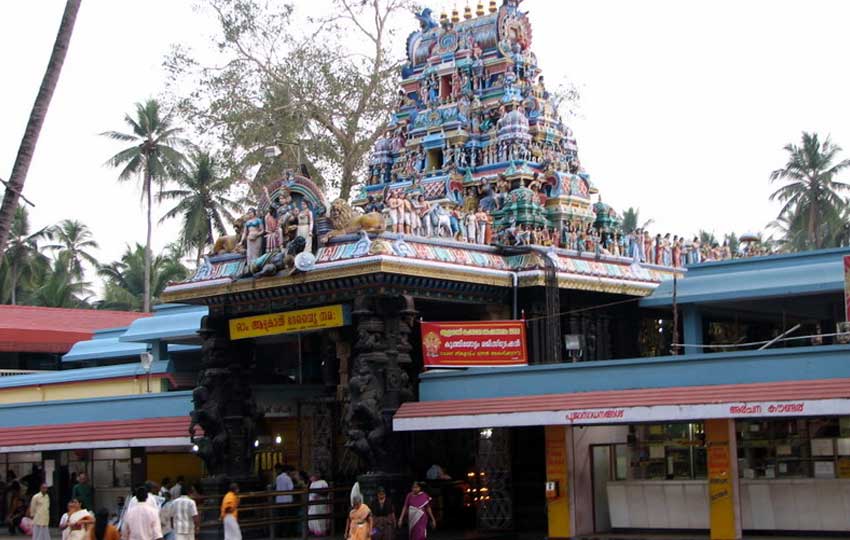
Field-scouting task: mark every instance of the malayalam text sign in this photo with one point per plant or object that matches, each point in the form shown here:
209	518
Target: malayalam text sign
289	322
471	344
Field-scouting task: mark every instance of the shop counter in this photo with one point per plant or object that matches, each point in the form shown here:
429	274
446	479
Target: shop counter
658	504
799	504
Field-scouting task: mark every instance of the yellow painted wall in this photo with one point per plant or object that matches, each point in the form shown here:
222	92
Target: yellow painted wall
162	465
722	480
82	390
557	470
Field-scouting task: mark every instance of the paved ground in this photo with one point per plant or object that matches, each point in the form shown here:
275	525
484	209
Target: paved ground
472	535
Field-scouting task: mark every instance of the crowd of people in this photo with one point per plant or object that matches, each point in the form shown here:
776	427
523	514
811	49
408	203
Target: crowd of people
169	510
166	511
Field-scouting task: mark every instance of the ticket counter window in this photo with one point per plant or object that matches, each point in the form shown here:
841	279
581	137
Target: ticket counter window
667	451
794	448
111	468
21	463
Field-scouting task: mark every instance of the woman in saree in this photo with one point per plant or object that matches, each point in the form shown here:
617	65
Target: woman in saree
417	510
359	525
78	521
252	236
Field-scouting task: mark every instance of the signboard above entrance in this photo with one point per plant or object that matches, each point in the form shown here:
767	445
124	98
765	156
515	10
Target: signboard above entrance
474	344
290	321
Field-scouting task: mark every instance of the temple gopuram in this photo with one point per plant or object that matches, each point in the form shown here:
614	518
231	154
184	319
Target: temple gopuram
475	207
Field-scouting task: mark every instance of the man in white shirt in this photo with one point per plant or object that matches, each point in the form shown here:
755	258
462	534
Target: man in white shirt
39	511
153	500
283	482
177	489
183	513
141	521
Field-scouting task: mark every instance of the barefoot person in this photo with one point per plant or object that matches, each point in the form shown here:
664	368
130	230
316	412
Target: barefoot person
417	511
359	525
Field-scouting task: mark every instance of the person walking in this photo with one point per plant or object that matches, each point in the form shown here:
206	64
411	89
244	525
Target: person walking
231	525
39	512
183	513
318	527
384	514
417	511
83	492
177	489
359	524
141	521
78	522
283	482
103	530
231	500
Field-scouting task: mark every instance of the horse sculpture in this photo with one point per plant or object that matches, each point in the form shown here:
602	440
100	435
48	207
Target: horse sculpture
438	221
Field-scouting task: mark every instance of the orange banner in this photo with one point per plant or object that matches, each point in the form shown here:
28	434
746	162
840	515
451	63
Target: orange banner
474	344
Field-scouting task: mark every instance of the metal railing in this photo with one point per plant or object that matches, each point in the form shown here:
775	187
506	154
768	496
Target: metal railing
260	510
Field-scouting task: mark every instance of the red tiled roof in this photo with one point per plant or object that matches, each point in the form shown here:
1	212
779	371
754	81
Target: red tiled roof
54	330
114	430
685	395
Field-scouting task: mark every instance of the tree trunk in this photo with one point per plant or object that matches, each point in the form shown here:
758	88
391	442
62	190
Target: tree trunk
14	285
149	194
347	181
813	233
36	120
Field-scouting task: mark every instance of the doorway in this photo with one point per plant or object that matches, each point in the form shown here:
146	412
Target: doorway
608	463
600	456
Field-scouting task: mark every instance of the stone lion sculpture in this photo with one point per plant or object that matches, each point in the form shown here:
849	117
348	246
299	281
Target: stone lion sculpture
230	243
345	220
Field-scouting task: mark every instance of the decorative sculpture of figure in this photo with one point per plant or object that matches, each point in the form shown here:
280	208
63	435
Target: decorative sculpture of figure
482	218
471	226
391	211
677	251
418	205
305	226
407	210
252	236
274	237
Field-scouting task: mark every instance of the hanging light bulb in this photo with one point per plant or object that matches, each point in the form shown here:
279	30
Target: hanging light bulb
195	448
256	443
278	439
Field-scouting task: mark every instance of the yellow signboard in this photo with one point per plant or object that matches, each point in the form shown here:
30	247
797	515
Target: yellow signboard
289	322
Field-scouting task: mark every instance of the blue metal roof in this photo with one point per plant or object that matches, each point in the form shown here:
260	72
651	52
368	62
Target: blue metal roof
111	348
809	272
742	367
156	405
169	323
82	374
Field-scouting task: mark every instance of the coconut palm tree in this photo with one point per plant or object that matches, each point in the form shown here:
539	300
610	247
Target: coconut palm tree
74	240
154	155
26	150
811	188
202	202
631	220
124	279
23	262
60	287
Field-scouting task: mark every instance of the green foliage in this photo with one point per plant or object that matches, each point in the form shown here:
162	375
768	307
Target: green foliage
813	212
74	240
124	279
203	202
154	156
326	85
60	287
631	220
23	262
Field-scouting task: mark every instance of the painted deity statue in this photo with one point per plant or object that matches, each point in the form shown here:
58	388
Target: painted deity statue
252	235
304	228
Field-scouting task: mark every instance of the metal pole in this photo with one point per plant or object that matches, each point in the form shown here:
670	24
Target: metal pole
674	348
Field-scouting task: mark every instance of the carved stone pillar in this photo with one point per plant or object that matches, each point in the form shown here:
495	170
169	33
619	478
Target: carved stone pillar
224	405
379	383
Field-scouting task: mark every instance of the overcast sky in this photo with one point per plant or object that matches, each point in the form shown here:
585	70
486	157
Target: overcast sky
685	105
